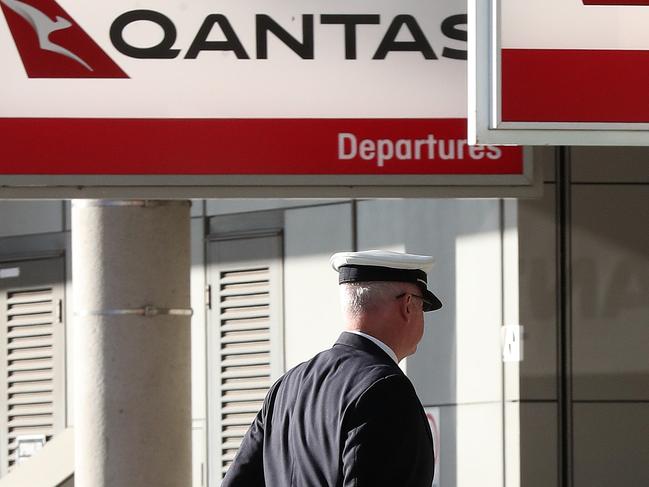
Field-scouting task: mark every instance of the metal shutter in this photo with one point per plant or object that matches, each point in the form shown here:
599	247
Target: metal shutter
245	352
32	389
247	310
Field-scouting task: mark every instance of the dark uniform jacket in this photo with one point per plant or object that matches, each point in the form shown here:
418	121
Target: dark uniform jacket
349	417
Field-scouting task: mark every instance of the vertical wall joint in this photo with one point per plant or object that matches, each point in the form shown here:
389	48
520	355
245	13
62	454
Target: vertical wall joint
564	314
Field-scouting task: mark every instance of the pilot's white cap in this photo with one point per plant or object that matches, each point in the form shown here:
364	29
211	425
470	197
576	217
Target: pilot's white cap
385	265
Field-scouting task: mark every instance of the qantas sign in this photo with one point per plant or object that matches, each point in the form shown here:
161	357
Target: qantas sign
370	87
53	45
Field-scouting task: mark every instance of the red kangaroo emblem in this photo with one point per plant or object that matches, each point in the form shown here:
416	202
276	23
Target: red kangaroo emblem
51	43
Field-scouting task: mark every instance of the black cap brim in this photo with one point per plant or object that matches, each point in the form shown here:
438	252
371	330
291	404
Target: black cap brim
432	302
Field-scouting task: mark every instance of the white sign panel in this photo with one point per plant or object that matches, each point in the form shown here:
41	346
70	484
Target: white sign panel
228	58
559	72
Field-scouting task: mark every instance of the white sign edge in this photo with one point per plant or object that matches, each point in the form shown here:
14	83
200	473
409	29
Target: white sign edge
176	187
529	184
484	125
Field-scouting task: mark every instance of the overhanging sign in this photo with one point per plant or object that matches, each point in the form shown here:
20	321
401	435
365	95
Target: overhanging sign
239	94
568	72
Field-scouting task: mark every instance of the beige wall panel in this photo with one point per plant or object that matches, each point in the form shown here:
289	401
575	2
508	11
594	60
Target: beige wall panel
610	164
446	451
382	224
470	450
610	445
545	157
475	299
234	205
197	286
478	456
610	292
29	217
67	215
312	313
197	208
538	370
511	291
534	448
512	446
199	454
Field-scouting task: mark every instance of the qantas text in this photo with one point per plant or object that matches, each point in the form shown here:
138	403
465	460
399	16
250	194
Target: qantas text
392	39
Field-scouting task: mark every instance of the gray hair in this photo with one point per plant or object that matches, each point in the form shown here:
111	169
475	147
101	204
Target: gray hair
360	297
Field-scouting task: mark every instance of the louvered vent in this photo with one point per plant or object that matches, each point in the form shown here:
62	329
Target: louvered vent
245	353
30	375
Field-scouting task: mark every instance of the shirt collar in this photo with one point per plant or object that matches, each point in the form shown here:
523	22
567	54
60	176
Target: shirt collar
378	343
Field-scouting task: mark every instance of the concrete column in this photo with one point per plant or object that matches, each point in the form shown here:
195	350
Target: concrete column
131	267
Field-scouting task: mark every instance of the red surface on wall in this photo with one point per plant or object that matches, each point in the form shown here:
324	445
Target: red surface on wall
550	85
239	146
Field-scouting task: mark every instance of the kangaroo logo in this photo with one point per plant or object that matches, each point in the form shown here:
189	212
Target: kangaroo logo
52	45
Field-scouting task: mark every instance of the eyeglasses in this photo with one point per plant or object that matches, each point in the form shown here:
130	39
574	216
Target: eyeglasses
426	302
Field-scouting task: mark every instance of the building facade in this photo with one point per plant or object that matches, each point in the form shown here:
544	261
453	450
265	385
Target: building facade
563	402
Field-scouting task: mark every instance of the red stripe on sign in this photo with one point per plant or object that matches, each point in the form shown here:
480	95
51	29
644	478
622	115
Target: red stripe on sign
247	146
541	85
616	2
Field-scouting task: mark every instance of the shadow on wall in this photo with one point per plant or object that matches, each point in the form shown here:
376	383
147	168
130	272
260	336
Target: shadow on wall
609	293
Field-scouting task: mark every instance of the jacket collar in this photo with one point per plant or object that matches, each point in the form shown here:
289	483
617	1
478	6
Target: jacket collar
361	343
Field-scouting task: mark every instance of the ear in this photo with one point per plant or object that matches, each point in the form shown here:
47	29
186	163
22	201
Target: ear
405	308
